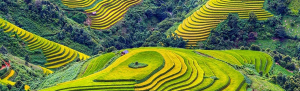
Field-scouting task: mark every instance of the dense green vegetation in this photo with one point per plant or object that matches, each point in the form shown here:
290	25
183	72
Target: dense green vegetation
24	74
151	24
61	75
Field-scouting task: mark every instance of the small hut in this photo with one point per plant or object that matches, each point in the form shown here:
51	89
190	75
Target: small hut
94	13
5	65
124	52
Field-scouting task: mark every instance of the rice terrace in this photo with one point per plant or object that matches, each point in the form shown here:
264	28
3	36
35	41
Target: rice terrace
149	45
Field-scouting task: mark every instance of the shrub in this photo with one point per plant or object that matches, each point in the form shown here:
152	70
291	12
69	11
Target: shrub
27	59
280	78
275	52
280	56
250	72
242	48
247	79
290	66
276	58
261	73
214	77
252	17
137	65
292	24
246	48
112	48
9	86
18	84
282	63
280	32
79	17
268	49
287	58
255	47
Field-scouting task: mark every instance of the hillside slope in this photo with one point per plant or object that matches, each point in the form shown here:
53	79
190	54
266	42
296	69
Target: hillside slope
182	69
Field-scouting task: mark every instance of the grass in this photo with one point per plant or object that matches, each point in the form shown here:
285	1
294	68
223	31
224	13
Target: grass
95	64
65	74
295	6
272	44
278	69
287	22
260	84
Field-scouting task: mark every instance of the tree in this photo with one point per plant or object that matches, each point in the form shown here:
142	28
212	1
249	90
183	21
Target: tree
79	17
290	66
282	63
252	36
3	50
279	7
18	84
252	17
280	32
261	73
281	79
255	47
246	48
242	48
112	48
149	13
276	58
28	1
287	58
27	59
232	20
268	49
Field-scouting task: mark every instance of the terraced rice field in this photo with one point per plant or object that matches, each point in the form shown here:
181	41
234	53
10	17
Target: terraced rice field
6	80
197	27
168	69
262	61
104	13
57	55
46	71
